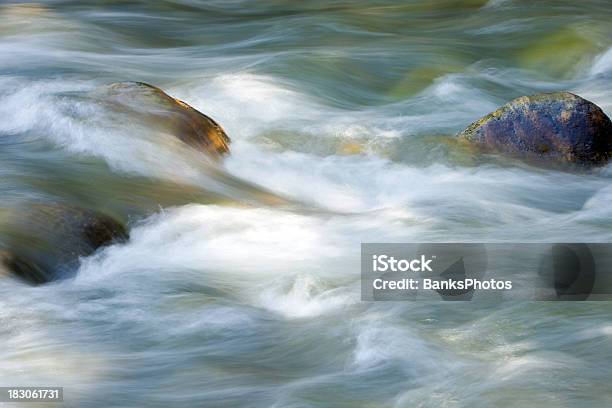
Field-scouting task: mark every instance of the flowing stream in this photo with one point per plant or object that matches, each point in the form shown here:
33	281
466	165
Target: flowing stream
239	286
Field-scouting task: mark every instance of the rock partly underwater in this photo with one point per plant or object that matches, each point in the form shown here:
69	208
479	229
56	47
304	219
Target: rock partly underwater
165	113
44	241
551	128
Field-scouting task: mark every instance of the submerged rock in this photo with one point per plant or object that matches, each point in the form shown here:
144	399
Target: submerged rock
560	128
13	264
44	241
155	107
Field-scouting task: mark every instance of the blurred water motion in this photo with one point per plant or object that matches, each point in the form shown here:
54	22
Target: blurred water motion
240	283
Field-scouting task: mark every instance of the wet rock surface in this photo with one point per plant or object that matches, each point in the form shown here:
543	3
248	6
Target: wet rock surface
172	115
44	241
551	128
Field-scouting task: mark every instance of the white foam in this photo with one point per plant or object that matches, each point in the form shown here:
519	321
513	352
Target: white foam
304	296
246	103
223	241
382	343
435	194
602	64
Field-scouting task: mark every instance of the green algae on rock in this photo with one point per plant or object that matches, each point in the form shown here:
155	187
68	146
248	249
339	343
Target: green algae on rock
550	128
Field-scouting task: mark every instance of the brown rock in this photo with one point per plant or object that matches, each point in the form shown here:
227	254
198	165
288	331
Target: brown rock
44	241
174	116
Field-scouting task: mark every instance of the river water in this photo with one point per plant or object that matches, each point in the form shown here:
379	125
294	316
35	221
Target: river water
239	286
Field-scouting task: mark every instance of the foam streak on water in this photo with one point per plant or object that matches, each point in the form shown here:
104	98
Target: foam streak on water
239	286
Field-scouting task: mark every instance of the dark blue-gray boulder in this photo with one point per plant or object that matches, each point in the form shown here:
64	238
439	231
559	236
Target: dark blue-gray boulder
550	128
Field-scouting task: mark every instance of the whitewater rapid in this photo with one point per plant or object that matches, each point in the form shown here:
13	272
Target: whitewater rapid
240	283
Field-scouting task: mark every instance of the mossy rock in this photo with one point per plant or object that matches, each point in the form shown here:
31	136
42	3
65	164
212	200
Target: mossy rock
43	242
156	108
550	128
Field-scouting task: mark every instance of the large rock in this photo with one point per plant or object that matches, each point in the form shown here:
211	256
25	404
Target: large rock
156	108
44	241
550	128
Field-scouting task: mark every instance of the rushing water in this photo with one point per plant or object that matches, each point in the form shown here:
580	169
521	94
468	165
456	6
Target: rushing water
239	286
